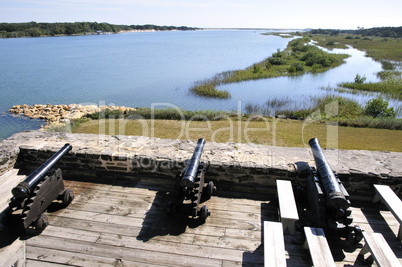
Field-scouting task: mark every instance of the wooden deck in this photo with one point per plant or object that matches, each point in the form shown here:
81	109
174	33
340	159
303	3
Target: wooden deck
124	223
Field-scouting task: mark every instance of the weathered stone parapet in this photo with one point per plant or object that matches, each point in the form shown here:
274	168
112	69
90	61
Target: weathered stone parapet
230	165
8	155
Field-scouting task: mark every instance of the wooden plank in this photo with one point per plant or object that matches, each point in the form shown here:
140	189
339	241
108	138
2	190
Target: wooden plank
8	181
274	244
227	197
142	209
392	201
127	230
380	250
116	240
39	256
13	254
214	220
126	204
318	247
93	230
141	255
287	205
237	264
88	220
34	263
242	234
69	233
220	208
227	242
215	248
218	253
160	199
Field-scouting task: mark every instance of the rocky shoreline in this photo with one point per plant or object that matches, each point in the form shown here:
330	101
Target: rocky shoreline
54	114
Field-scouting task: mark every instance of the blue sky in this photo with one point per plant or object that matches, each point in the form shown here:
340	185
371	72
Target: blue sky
294	14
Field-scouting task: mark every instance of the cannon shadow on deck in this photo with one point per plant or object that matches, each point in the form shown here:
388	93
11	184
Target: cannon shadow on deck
158	223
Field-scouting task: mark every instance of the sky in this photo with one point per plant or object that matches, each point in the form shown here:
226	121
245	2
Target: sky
281	14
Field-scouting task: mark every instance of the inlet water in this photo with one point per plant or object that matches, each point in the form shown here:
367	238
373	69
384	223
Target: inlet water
149	68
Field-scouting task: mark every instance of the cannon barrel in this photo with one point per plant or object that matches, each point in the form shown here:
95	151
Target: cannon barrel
24	189
192	169
335	199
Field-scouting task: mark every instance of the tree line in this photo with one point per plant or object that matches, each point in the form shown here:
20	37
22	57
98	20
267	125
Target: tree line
392	32
34	29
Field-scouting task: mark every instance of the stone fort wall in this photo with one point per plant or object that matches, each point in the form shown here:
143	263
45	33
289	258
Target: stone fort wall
232	166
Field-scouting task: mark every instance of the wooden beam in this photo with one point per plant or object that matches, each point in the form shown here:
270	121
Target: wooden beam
287	205
274	245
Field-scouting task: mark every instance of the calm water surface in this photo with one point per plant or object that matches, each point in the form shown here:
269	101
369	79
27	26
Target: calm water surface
139	69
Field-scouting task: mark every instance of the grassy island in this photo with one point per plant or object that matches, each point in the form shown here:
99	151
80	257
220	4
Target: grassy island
390	84
298	58
378	46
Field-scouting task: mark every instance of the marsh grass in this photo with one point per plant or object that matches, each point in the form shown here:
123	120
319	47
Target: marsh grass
285	133
208	89
370	122
391	84
388	75
296	59
161	114
386	65
347	112
346	108
378	48
269	108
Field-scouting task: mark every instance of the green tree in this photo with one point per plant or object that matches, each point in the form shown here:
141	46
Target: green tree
359	79
378	107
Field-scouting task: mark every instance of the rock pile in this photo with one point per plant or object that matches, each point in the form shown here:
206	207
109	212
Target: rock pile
61	113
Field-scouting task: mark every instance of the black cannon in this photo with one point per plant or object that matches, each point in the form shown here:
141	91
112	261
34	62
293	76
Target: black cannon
33	196
328	199
190	187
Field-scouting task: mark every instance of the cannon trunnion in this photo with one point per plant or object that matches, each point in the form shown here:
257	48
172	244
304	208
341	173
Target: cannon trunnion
191	188
33	196
328	199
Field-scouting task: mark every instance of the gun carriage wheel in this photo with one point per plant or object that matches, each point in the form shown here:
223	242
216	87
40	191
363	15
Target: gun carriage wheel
41	223
210	189
204	213
67	197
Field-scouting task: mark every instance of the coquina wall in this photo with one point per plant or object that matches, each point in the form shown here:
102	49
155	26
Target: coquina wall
232	166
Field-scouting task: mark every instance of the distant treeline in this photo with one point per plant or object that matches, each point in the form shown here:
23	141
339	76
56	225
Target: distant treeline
34	29
393	32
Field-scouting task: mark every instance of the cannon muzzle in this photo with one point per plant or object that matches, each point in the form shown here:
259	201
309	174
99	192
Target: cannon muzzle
24	189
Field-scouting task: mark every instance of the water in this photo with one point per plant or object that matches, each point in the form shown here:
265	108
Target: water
299	89
141	69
